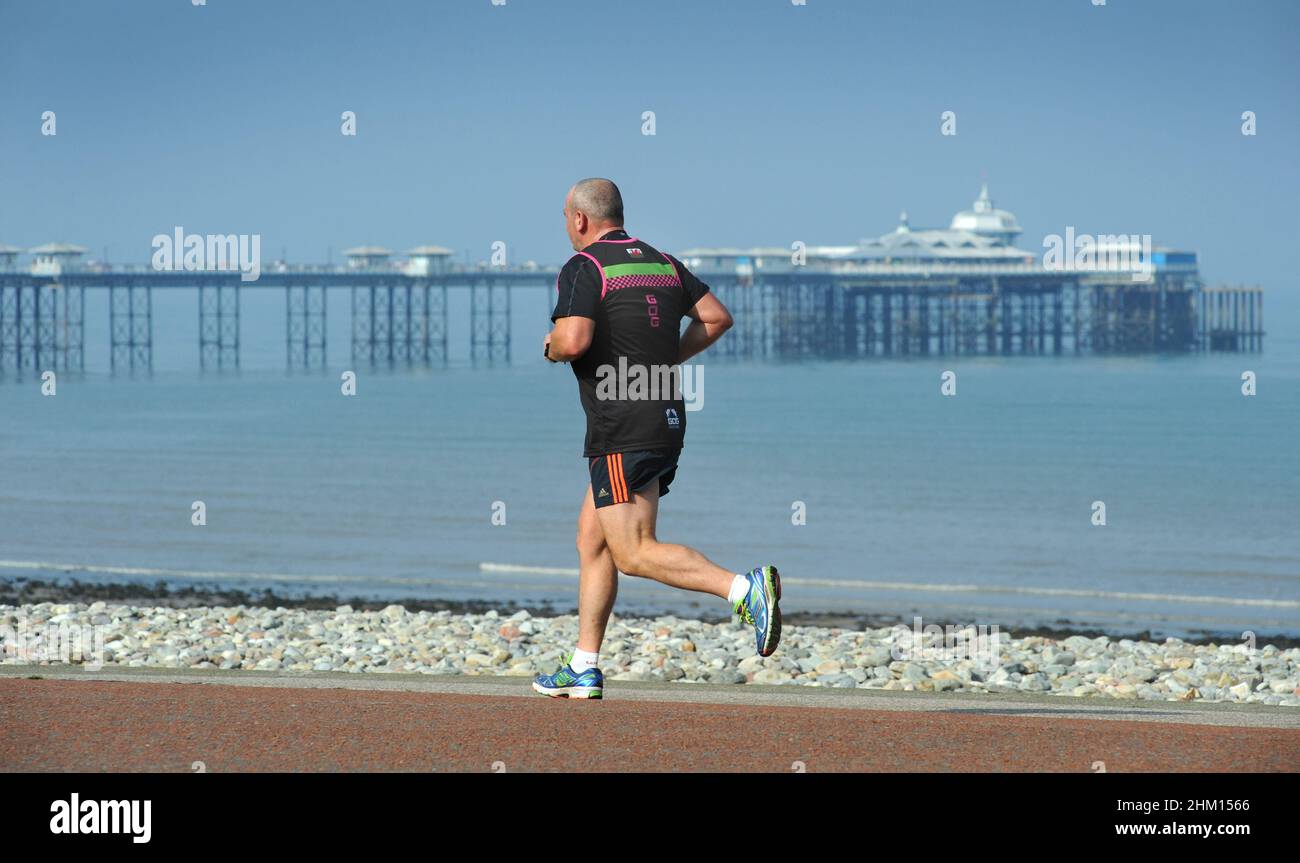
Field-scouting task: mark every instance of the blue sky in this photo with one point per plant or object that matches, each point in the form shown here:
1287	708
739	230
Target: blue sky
775	123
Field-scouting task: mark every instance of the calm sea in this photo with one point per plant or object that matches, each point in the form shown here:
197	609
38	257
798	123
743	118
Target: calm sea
974	508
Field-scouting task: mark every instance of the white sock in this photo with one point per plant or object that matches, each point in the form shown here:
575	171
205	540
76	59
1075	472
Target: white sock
582	660
739	587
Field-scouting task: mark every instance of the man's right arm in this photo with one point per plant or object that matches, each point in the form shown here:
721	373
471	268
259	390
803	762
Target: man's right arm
710	318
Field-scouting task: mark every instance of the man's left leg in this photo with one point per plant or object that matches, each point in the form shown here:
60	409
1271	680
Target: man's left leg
597	581
579	676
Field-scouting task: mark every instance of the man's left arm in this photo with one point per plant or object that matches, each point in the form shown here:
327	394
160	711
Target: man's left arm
569	338
578	294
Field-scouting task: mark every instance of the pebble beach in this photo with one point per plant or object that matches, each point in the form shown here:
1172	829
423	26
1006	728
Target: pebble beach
665	648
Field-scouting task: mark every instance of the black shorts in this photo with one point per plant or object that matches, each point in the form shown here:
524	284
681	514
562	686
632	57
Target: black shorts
614	477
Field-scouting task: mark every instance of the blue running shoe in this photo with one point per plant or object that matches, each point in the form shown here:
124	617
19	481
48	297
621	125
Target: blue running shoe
759	607
567	683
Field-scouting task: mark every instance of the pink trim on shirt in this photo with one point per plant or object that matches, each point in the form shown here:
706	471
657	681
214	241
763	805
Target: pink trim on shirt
603	286
676	274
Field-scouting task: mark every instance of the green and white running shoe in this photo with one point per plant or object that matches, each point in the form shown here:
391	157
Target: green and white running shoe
567	683
759	607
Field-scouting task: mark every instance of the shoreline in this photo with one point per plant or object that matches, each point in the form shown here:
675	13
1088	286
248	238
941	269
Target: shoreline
666	648
22	591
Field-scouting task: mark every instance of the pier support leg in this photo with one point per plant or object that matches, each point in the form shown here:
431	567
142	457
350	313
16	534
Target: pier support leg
767	302
742	309
991	323
1058	321
372	324
727	347
399	306
490	321
887	321
130	327
8	326
305	326
73	331
923	323
417	327
219	326
383	316
438	323
1004	323
360	325
41	327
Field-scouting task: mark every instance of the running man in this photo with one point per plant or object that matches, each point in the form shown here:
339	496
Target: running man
620	306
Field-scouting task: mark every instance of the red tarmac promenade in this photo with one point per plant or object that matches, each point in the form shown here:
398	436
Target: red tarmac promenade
244	721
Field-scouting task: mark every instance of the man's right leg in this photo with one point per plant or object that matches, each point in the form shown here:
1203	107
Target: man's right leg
629	530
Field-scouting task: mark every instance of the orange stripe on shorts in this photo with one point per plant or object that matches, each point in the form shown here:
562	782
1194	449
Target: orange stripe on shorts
615	466
613	483
622	479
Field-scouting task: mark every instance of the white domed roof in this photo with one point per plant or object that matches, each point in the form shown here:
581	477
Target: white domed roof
984	218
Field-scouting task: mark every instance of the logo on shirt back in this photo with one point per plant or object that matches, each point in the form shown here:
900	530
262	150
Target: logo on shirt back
674	421
635	252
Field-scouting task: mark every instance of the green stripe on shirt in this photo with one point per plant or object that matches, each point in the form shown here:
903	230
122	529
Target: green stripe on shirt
616	270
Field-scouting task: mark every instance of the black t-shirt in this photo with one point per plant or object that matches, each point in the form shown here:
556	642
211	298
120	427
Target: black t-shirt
627	381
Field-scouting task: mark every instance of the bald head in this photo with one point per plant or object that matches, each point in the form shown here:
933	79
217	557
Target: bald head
599	199
592	207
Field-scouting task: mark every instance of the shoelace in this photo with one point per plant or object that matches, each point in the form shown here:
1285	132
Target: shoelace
743	610
568	663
